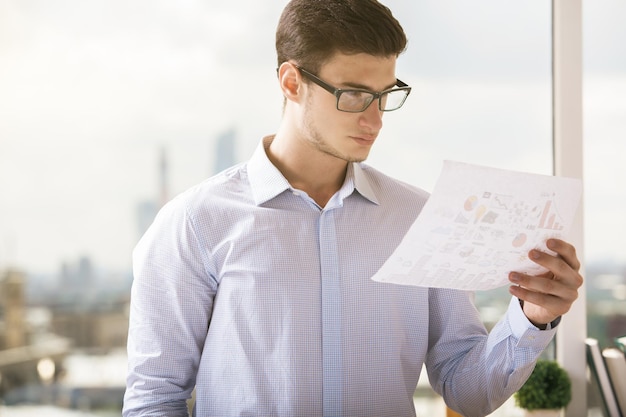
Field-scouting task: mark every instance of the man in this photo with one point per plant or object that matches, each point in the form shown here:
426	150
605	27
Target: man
254	287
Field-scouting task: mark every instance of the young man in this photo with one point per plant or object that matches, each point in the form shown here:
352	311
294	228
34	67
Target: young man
254	287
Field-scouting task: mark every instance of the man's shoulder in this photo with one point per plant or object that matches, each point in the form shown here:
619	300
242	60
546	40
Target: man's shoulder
386	185
219	189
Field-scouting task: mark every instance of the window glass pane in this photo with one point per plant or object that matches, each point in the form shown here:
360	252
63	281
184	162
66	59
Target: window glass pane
109	108
604	170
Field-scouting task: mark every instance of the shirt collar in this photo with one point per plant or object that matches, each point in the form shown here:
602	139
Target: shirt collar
362	182
265	179
268	182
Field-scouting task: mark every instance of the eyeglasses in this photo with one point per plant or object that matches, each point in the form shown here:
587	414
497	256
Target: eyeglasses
358	100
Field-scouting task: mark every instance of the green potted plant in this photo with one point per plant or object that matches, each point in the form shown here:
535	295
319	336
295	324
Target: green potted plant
547	390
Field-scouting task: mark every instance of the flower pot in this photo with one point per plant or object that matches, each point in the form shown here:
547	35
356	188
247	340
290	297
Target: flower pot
543	413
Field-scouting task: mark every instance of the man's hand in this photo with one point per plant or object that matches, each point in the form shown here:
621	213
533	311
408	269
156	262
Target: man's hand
547	296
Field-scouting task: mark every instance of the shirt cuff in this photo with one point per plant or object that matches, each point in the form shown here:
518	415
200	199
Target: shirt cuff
521	326
549	326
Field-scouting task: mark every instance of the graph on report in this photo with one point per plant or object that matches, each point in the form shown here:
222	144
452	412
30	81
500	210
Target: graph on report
497	215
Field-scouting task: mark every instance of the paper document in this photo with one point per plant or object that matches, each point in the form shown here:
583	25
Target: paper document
479	224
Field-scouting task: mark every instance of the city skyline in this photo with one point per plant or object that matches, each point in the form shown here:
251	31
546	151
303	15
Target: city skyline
88	99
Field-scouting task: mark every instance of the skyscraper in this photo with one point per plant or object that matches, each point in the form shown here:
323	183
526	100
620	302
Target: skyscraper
163	178
147	210
12	305
225	150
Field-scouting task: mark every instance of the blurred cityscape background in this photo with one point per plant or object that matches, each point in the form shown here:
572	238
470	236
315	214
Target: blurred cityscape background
63	335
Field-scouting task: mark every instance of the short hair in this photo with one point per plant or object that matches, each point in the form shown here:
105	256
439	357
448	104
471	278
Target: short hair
310	32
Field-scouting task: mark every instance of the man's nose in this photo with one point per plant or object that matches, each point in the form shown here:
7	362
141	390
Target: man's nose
372	117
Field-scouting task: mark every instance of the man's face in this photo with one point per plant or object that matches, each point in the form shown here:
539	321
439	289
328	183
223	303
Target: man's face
347	136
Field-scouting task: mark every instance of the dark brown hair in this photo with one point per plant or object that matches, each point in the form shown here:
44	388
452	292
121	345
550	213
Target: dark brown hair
311	31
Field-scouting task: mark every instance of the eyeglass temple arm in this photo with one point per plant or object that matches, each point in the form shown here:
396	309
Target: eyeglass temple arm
400	83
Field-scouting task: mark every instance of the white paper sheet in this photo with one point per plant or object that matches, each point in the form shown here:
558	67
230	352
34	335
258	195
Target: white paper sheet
479	224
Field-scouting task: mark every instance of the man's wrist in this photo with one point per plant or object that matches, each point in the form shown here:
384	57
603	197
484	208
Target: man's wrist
548	326
541	326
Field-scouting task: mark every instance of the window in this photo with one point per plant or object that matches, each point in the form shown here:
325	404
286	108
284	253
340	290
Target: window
604	129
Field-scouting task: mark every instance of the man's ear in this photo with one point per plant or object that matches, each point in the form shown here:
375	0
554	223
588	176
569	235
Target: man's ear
290	81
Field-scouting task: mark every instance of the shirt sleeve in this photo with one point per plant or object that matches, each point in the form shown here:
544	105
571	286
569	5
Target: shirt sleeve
171	302
473	370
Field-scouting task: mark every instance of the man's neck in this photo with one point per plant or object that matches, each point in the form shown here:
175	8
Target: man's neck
318	174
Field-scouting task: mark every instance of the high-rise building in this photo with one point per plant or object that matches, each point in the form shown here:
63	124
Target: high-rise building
225	150
163	178
12	309
147	210
78	275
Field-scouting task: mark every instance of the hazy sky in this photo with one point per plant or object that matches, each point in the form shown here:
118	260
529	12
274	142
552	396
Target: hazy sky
90	92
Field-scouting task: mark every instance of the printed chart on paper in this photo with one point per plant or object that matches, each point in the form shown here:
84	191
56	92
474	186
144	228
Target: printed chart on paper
479	224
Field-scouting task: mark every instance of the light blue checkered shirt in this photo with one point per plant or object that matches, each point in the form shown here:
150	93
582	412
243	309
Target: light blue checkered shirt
247	290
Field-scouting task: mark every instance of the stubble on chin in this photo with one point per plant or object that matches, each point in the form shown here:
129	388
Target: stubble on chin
319	143
325	148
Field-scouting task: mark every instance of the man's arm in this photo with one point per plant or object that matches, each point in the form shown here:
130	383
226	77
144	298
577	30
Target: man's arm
476	373
171	301
473	371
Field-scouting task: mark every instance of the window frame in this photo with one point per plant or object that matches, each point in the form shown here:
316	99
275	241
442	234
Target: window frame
567	127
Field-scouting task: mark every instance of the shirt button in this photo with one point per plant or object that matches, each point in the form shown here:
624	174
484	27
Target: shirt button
296	193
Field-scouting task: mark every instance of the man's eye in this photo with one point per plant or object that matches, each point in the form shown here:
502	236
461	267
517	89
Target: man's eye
357	95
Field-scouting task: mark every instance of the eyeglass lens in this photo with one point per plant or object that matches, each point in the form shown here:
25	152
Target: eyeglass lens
356	101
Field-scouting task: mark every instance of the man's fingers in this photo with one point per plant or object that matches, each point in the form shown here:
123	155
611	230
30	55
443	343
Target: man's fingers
566	251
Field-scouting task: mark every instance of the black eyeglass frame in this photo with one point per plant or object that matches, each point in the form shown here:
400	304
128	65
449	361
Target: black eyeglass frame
337	92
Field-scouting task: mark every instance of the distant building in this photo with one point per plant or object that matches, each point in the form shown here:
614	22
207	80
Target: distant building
101	329
147	210
20	351
79	275
164	189
90	308
12	310
225	150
